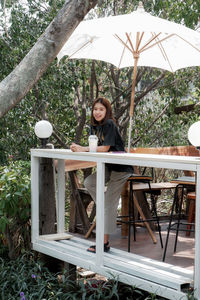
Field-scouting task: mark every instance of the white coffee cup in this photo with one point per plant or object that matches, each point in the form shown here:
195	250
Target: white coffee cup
93	140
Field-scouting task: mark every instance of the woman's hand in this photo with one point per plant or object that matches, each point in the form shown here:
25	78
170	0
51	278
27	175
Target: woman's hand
77	148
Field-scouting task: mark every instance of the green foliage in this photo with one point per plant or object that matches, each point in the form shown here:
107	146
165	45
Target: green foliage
27	278
51	95
185	12
170	129
59	94
15	197
181	88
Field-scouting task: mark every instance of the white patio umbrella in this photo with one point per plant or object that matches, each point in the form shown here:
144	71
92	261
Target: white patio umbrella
135	39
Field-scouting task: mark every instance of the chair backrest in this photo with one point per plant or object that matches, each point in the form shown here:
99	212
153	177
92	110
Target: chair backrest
191	196
140	178
173	150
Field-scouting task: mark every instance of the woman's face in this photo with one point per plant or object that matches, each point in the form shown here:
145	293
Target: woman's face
99	112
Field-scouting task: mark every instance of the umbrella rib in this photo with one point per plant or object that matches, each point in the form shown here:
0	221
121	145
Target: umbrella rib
158	42
116	36
139	42
120	61
80	48
152	39
188	42
160	46
163	52
167	37
130	42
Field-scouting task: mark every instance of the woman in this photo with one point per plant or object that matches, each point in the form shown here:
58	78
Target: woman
104	127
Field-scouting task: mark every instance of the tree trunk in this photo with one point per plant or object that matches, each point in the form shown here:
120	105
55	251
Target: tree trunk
18	83
47	206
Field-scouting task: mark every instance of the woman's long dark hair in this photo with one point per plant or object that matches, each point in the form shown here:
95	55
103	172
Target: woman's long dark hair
109	115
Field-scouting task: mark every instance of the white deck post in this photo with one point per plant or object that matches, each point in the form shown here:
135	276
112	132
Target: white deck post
61	196
197	238
34	198
100	184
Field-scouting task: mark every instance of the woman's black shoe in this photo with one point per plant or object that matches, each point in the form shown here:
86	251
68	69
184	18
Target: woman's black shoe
93	248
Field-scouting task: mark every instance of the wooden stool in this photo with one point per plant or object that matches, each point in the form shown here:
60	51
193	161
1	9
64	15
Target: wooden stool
183	183
134	202
191	211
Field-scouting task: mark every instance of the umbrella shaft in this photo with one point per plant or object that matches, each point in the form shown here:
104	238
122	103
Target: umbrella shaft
133	86
129	133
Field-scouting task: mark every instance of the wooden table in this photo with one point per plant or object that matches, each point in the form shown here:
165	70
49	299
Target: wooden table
157	186
185	180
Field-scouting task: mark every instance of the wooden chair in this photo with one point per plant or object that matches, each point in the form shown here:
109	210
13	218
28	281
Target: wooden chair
133	202
80	198
183	183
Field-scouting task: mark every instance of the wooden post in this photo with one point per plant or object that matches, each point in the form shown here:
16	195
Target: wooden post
47	214
71	271
47	208
47	204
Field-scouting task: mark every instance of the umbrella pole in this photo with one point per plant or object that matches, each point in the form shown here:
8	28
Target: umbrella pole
129	133
136	57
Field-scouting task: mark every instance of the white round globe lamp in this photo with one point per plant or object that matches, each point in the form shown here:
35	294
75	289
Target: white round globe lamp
194	134
43	130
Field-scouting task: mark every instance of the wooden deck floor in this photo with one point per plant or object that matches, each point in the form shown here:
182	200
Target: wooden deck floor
184	256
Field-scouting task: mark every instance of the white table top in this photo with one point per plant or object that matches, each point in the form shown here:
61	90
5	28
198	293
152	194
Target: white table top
187	162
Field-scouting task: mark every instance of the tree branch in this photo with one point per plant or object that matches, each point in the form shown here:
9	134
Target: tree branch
150	87
152	123
17	84
5	19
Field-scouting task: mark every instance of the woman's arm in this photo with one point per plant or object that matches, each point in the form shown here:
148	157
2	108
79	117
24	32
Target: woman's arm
103	148
78	148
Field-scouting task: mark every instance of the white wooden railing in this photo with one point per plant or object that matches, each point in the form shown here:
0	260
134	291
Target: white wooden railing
156	277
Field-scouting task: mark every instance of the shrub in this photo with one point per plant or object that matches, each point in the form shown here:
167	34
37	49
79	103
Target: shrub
15	211
26	278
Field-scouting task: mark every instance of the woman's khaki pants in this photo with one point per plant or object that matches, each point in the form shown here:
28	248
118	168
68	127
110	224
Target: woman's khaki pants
114	182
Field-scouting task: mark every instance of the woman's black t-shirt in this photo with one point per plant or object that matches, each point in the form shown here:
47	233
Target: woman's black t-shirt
108	135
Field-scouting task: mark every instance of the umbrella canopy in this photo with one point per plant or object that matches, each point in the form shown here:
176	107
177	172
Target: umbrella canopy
135	39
